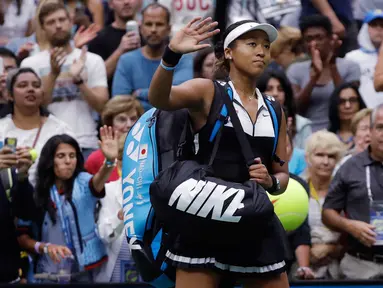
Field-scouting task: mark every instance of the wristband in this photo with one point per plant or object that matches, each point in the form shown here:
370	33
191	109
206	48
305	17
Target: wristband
109	163
170	57
302	269
167	68
46	248
37	247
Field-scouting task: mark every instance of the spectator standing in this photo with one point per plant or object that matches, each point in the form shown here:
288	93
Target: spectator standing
66	198
16	19
120	267
370	38
276	84
113	40
314	80
16	201
120	113
340	13
74	80
9	63
345	102
323	151
28	121
355	190
135	69
360	128
362	7
204	64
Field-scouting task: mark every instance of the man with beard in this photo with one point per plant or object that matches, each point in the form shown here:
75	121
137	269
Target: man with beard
74	80
113	41
135	69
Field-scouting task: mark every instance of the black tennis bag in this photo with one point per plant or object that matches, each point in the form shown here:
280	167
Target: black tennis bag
190	201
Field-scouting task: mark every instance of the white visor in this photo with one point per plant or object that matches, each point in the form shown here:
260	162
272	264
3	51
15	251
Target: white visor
270	30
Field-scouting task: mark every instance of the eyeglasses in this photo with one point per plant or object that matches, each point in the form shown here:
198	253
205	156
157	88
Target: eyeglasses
351	100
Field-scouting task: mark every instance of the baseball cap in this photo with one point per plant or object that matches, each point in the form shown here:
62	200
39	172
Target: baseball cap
372	15
269	29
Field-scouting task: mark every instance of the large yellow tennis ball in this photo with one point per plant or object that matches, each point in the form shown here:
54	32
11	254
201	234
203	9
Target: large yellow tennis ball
33	153
292	206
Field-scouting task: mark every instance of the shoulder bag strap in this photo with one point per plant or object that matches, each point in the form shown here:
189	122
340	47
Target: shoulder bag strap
246	150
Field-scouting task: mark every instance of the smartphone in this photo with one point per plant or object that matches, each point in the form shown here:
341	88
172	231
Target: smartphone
1	66
132	26
11	143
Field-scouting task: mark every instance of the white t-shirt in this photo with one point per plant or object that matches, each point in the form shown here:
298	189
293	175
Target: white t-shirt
51	127
183	11
17	25
67	102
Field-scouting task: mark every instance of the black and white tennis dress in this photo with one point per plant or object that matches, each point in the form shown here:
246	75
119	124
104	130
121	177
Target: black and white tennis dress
266	252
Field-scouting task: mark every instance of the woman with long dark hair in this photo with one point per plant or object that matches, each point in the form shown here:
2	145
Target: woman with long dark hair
67	197
276	84
345	102
28	121
244	53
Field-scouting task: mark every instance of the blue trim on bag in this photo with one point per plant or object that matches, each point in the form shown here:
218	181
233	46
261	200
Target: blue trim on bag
275	124
223	115
162	282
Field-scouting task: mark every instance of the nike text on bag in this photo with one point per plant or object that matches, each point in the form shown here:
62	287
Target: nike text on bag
191	201
156	141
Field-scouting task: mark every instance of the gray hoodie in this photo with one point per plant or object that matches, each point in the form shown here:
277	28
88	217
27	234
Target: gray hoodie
367	57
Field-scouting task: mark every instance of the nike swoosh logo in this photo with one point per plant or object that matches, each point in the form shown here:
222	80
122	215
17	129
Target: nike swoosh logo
273	201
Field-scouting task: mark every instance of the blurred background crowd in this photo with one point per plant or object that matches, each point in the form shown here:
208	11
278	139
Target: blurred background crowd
69	68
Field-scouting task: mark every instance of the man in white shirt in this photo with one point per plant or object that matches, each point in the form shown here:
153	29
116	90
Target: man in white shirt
370	38
75	81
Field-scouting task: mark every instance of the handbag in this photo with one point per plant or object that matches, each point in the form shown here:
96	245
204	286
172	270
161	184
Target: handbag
190	201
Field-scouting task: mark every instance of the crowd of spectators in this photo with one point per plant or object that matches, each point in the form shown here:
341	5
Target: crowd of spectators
73	81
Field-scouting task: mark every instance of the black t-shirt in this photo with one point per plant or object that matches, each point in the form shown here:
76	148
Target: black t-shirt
106	43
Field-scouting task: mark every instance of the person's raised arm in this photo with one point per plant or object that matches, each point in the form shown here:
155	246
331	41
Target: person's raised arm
109	147
191	93
325	9
303	95
378	75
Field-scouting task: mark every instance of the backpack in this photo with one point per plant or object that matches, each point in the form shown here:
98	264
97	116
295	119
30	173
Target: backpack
157	140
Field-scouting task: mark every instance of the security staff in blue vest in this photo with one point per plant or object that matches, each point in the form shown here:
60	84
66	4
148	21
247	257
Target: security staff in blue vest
244	52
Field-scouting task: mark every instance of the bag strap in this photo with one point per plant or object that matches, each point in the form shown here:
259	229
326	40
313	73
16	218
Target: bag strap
247	152
276	117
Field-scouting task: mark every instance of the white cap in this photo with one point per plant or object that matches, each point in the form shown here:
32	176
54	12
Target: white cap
250	26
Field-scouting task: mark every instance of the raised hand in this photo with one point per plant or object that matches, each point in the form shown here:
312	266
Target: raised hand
188	39
24	161
109	143
57	59
84	35
25	50
78	64
317	64
129	41
7	158
335	45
